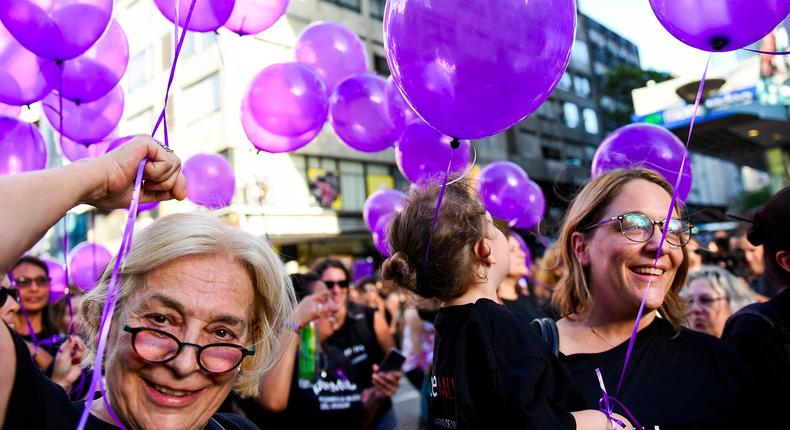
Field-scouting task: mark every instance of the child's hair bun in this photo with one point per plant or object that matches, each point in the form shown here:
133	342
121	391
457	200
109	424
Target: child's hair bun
399	270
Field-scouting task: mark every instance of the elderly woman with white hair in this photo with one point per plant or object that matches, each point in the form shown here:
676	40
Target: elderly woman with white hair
199	312
713	294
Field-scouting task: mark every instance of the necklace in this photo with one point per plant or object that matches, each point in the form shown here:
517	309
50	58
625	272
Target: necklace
601	337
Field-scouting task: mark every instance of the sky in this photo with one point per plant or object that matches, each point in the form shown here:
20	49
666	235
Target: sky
658	50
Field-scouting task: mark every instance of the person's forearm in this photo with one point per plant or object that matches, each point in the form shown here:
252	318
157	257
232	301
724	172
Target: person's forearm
32	202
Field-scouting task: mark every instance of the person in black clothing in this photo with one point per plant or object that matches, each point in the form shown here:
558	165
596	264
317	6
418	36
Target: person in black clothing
338	398
490	370
509	292
761	332
362	334
189	283
676	378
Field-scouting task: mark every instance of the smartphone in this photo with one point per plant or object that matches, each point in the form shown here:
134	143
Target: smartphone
393	361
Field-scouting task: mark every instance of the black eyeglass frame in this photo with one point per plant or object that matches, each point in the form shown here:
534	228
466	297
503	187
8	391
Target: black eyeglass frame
332	284
654	223
6	292
198	348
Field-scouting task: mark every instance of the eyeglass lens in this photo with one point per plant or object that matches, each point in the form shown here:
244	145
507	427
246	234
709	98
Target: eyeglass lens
639	228
158	347
24	281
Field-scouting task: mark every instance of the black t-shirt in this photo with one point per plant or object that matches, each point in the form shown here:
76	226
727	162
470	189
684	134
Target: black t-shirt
525	306
684	381
334	401
761	335
490	370
38	403
357	339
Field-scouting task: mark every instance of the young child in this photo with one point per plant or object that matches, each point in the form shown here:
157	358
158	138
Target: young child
489	369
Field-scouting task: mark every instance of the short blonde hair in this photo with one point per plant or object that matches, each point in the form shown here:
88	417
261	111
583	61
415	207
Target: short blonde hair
180	235
572	294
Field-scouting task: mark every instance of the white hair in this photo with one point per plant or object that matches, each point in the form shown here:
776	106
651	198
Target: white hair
735	289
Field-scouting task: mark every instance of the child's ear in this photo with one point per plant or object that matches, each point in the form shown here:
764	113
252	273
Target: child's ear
483	252
580	248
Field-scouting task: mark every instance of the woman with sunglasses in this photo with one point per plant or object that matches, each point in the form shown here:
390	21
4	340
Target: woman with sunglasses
199	311
712	295
31	279
363	332
611	244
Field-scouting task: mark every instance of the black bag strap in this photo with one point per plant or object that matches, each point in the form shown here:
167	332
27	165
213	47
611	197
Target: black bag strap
549	333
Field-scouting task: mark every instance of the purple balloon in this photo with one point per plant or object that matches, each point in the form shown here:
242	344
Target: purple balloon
21	147
333	51
74	151
523	245
210	180
86	122
10	110
395	97
720	25
24	78
472	69
270	142
208	15
57	284
422	153
56	29
87	262
534	206
362	115
94	73
503	186
648	146
255	16
288	99
381	234
381	203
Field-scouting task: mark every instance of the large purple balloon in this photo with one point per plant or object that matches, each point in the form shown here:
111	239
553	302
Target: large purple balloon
210	180
10	110
208	15
333	51
720	25
503	186
94	73
58	284
56	29
87	262
474	68
381	203
534	207
74	151
288	99
648	146
24	78
21	147
255	16
270	142
363	116
422	153
86	122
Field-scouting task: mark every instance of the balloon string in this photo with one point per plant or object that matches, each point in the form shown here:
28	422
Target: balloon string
767	52
25	316
664	231
219	48
469	168
425	260
173	69
66	216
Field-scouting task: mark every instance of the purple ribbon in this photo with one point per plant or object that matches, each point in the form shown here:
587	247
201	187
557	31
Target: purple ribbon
767	52
438	205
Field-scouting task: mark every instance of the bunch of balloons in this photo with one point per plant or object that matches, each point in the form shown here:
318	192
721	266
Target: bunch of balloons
509	194
378	212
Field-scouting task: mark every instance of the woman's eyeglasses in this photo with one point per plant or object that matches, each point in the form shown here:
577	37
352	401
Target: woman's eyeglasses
639	228
705	301
158	346
5	293
341	284
25	282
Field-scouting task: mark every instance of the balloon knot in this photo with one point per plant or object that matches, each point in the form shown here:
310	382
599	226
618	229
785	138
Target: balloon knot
455	143
718	43
58	63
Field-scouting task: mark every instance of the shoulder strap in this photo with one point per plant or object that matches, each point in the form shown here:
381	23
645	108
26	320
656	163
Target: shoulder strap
548	331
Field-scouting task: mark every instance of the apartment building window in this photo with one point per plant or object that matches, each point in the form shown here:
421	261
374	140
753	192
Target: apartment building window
580	55
355	5
195	43
581	86
377	8
551	153
352	184
140	70
201	99
570	115
566	83
380	65
141	123
590	121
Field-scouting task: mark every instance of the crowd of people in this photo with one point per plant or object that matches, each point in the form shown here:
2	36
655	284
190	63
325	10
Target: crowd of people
627	320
